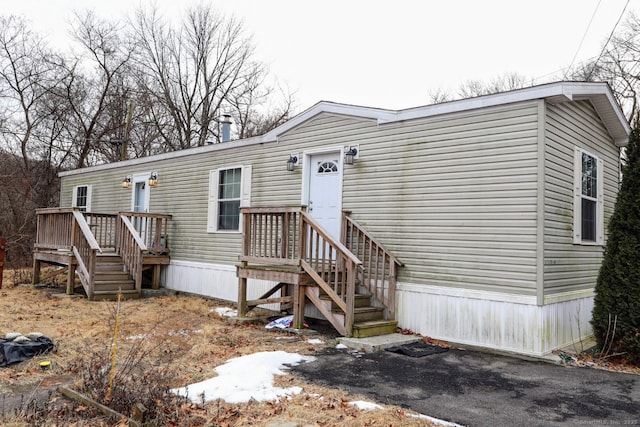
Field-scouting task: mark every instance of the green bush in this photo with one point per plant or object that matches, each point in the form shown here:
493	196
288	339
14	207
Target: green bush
616	312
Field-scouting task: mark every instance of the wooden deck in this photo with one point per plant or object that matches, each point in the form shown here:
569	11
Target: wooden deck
108	252
351	281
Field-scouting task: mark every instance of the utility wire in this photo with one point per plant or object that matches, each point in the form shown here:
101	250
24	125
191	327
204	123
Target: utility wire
586	31
609	39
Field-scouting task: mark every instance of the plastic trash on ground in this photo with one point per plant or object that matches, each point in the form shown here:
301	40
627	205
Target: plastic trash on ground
283	323
14	349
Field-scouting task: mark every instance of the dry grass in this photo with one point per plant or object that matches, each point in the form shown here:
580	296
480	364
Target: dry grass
184	338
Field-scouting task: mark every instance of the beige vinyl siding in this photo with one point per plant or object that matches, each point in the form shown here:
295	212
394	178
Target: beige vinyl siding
453	197
570	267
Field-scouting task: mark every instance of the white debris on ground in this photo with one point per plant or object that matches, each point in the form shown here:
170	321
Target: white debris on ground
226	312
244	378
365	406
315	341
341	347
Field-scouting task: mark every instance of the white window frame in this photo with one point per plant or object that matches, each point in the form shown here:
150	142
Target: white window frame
578	196
245	196
74	198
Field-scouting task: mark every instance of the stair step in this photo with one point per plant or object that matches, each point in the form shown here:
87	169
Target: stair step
361	300
114	285
366	314
374	328
111	276
113	296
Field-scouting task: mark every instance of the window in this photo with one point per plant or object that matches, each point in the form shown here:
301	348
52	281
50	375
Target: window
81	198
588	220
229	189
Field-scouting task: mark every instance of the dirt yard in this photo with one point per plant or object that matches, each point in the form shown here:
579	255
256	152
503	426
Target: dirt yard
171	341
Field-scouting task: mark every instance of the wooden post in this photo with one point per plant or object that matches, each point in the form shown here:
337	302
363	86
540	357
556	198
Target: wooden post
298	305
155	280
36	272
3	245
242	296
71	277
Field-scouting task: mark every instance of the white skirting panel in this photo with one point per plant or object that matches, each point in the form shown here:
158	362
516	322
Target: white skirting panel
493	320
212	280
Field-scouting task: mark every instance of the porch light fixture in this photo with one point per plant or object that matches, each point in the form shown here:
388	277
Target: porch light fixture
153	179
291	163
126	182
350	155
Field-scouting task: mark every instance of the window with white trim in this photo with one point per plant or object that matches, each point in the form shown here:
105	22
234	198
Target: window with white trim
588	205
81	198
229	189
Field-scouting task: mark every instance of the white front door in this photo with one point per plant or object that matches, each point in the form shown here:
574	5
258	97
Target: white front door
140	203
325	191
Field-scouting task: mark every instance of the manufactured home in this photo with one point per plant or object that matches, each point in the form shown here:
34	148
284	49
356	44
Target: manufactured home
479	221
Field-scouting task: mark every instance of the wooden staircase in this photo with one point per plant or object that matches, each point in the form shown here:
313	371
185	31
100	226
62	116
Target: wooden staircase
368	320
351	280
111	277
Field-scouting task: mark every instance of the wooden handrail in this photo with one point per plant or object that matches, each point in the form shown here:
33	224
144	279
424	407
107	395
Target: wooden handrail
131	248
86	231
152	228
379	273
85	249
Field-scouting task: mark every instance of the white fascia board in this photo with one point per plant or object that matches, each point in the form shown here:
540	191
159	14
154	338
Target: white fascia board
165	156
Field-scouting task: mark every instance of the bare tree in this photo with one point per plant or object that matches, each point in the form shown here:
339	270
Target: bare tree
95	89
619	65
192	73
473	88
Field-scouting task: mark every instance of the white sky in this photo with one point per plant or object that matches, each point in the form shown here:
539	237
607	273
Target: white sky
388	54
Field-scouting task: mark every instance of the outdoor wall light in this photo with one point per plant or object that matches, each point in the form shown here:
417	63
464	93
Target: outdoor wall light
126	182
292	162
153	179
350	155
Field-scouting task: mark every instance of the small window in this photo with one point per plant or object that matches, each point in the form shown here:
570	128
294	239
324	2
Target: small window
82	198
588	220
327	167
229	189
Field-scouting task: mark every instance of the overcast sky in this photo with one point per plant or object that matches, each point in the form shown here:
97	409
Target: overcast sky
388	54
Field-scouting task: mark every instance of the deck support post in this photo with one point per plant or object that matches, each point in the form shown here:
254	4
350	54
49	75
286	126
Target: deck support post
71	278
36	272
298	306
155	277
242	296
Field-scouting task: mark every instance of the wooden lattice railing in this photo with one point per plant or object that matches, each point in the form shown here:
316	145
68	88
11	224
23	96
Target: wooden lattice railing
379	273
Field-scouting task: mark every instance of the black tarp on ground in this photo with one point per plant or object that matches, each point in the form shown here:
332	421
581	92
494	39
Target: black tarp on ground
12	352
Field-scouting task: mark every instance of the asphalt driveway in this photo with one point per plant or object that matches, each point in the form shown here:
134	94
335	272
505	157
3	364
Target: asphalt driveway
480	389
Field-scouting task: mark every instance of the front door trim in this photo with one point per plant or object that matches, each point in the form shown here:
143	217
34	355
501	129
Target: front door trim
140	178
307	170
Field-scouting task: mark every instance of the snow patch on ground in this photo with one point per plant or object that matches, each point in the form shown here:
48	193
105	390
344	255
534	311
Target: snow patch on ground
341	347
315	341
244	378
226	312
365	406
434	420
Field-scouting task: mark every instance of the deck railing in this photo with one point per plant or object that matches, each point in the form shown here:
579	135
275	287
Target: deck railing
103	227
380	268
54	228
153	229
271	235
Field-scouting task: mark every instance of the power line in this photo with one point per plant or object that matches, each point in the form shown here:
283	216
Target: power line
609	39
583	37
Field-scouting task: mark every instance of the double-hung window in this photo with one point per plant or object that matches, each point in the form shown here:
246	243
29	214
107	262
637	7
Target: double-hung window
229	189
81	198
588	220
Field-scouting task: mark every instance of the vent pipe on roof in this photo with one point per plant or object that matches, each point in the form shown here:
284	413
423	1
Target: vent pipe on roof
226	127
